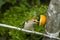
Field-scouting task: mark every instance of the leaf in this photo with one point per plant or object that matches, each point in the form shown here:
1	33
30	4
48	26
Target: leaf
1	3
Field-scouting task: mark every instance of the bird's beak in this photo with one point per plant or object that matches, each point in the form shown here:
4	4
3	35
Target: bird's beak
36	20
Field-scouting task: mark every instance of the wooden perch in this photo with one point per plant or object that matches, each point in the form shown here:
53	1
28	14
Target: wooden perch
24	30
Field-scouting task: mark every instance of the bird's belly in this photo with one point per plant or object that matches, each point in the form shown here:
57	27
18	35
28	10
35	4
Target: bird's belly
29	28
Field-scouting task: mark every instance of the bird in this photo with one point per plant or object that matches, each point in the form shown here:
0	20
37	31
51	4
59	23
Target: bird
30	23
42	20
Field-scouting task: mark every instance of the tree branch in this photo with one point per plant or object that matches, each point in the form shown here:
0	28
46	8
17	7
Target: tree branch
24	30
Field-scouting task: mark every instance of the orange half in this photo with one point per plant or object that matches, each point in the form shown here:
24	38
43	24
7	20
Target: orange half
42	19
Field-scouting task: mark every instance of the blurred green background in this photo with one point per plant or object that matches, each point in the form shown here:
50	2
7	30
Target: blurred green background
16	12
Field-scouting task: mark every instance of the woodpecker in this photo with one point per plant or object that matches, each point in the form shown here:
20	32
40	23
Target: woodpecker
42	20
30	23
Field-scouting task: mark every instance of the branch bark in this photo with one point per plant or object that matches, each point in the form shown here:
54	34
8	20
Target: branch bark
53	19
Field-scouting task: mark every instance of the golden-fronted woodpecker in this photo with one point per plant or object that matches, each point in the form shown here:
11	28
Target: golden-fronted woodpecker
30	23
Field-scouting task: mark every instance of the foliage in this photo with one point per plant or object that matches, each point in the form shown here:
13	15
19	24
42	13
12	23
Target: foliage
17	15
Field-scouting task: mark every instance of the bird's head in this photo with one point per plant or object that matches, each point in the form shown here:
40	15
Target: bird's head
33	20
